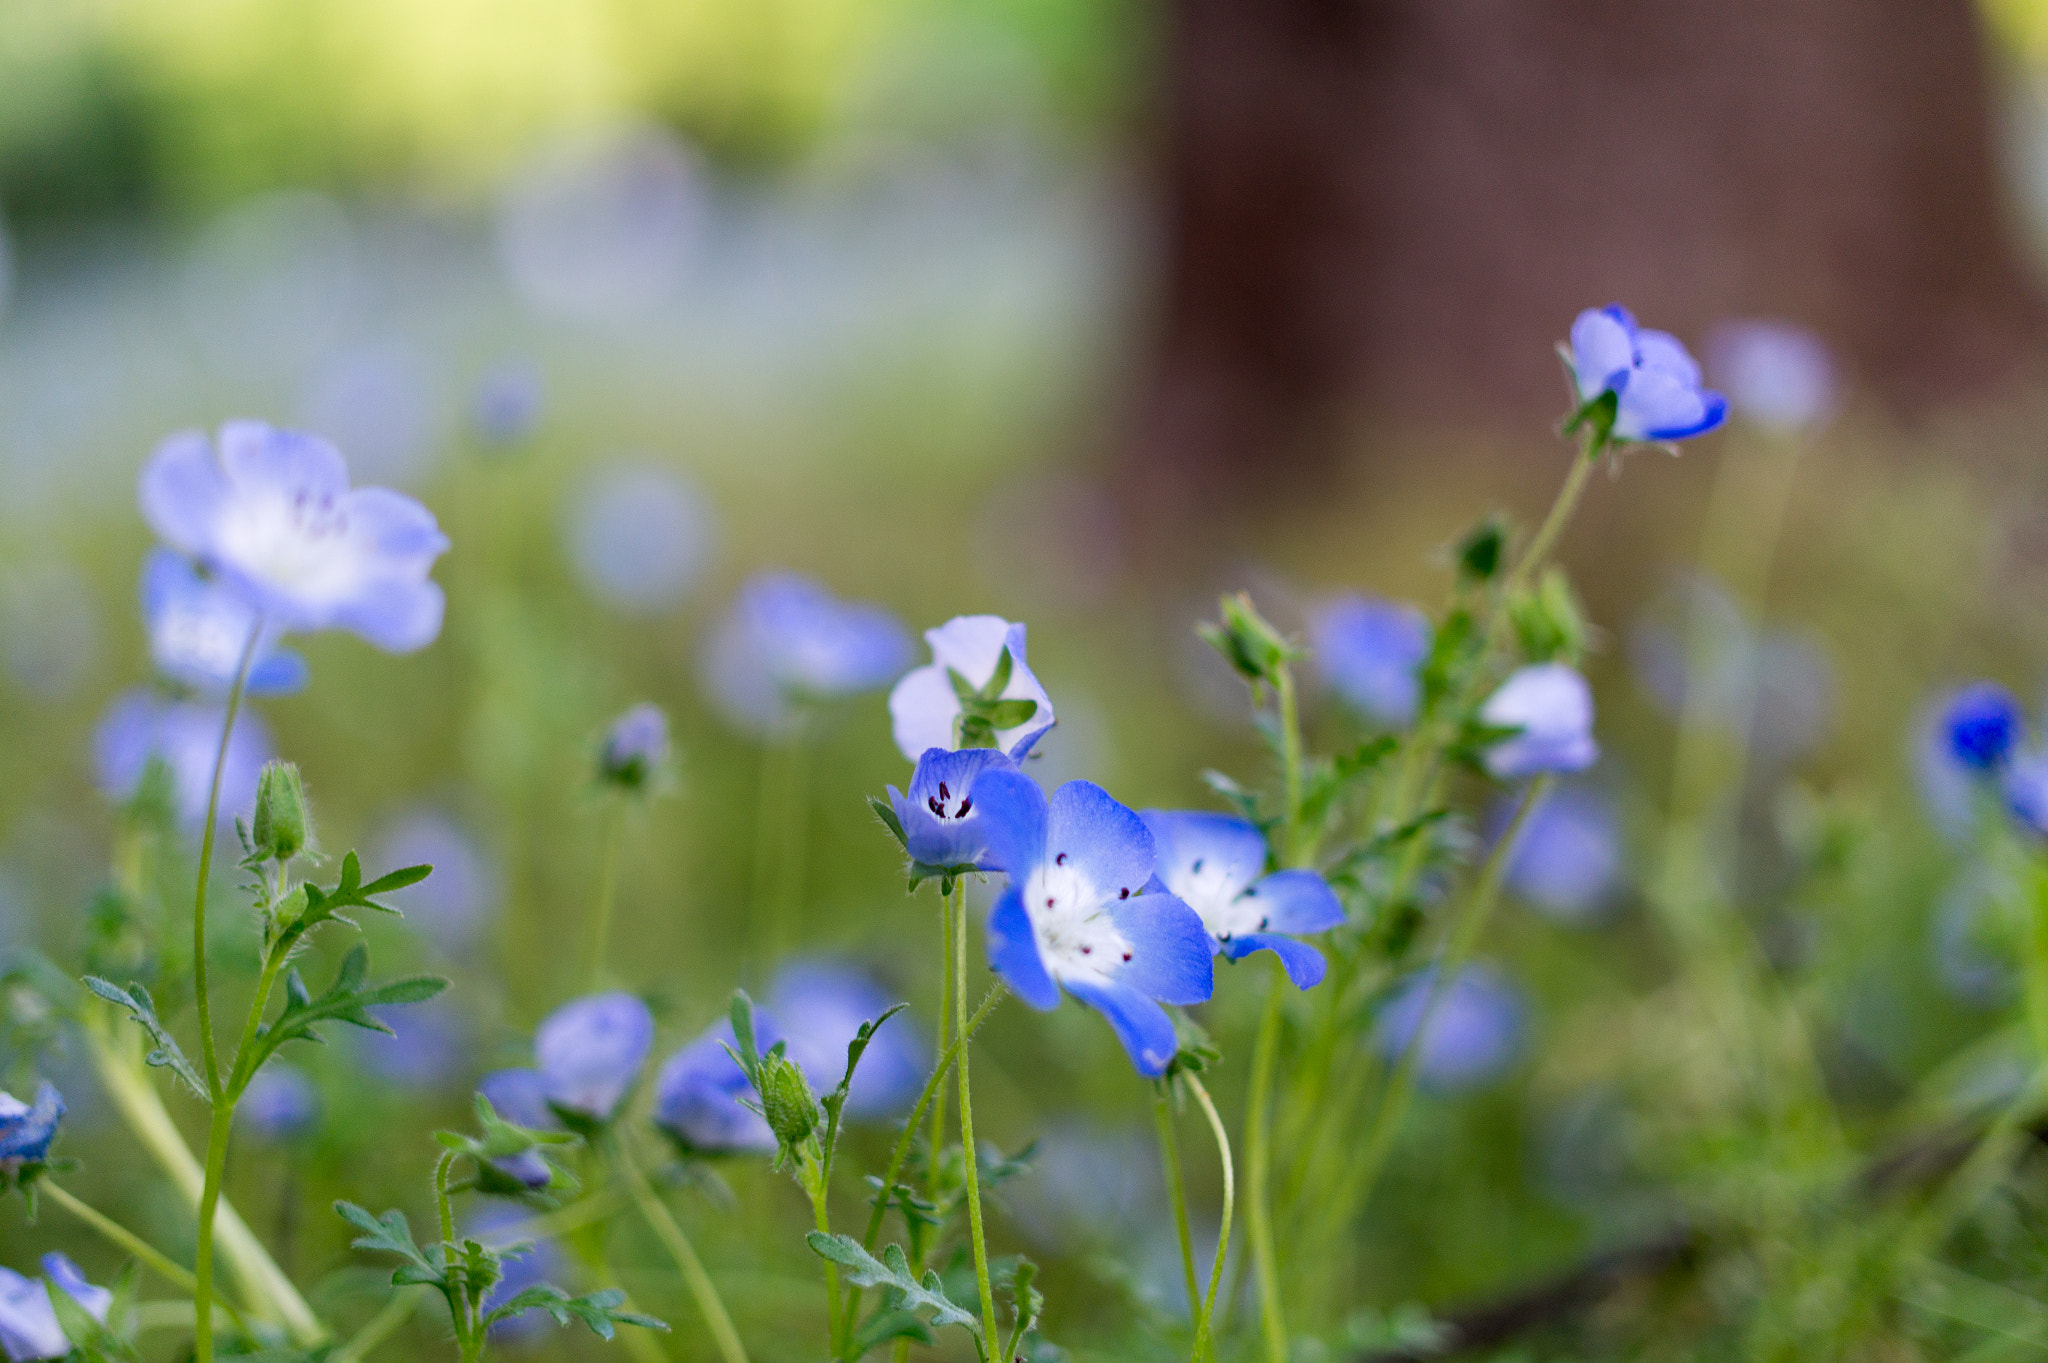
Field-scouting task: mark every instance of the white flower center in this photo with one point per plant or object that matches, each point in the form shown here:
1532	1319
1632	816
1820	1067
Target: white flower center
11	1107
1070	919
1225	904
297	542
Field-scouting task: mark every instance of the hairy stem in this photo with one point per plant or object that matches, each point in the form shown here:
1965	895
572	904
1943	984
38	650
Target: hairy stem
1169	1154
968	1158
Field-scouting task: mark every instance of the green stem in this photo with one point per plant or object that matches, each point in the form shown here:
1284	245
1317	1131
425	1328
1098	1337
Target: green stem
149	1255
379	1328
201	1001
1208	1312
1258	1121
981	1278
820	1190
937	1140
607	887
670	1232
1560	516
1169	1154
209	1206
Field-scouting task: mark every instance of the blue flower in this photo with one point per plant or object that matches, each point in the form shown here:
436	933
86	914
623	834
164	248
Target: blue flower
271	513
507	403
1777	375
925	708
1368	651
787	643
451	905
941	826
819	1006
1982	723
1216	864
429	1047
28	1322
1655	381
639	537
279	1103
697	1094
1567	864
185	737
589	1052
26	1129
1473	1033
521	1098
1551	707
636	747
1074	916
198	627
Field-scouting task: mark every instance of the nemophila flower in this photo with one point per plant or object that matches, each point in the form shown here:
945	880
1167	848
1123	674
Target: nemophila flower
819	1006
198	627
1474	1029
941	825
589	1053
1982	723
1777	375
430	1045
451	906
1551	708
636	748
271	513
943	705
280	1103
28	1322
507	403
26	1129
1075	915
1216	864
787	643
638	538
1654	379
1567	864
185	737
1367	651
697	1094
521	1097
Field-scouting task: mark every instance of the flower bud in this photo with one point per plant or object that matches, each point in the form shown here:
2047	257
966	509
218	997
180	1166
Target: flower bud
282	826
786	1099
1247	640
636	749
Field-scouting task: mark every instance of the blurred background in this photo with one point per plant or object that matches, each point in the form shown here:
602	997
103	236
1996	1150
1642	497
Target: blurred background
1076	312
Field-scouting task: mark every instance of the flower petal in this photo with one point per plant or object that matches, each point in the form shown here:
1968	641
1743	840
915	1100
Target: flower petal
1142	1025
922	708
1171	958
181	491
1105	839
1659	405
1304	964
1013	952
261	458
396	615
1191	842
1662	351
1297	901
1603	349
1013	816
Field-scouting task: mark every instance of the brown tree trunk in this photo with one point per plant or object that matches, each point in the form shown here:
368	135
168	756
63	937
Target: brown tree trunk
1394	207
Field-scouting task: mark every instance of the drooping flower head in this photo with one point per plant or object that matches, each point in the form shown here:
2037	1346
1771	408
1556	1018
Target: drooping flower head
1567	864
1551	707
280	1103
1654	379
636	748
977	692
819	1006
589	1052
1216	864
1367	651
185	736
28	1322
1076	916
26	1129
1777	375
1472	1033
787	643
271	513
198	627
1982	723
941	825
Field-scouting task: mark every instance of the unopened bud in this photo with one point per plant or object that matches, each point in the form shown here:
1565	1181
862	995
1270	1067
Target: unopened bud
636	748
786	1099
282	827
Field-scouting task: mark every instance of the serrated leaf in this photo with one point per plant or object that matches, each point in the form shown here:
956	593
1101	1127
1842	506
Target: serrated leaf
597	1310
166	1053
391	1234
346	1000
893	1271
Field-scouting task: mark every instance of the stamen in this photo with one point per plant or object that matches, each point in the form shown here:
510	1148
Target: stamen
944	794
965	805
1124	893
1060	860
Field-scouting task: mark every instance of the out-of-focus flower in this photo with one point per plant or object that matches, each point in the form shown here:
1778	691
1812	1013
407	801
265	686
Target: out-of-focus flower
1982	723
1568	863
451	905
1777	375
941	826
26	1129
271	513
382	404
28	1322
638	538
280	1103
185	737
697	1095
2024	783
1088	1185
1654	379
1074	915
521	1097
926	707
590	1052
636	748
272	284
1552	707
199	626
429	1048
819	1006
1474	1030
1777	685
507	403
787	642
1216	864
1367	651
497	1224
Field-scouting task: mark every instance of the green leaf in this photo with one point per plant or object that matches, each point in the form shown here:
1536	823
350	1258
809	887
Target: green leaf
598	1310
1008	714
346	1000
167	1054
350	893
745	1048
886	1325
835	1101
390	1234
893	1271
999	678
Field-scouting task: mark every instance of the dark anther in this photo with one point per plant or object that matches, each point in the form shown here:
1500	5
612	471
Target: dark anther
1197	868
936	807
1060	860
965	805
1263	922
1048	903
1087	951
1124	893
944	794
1127	955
